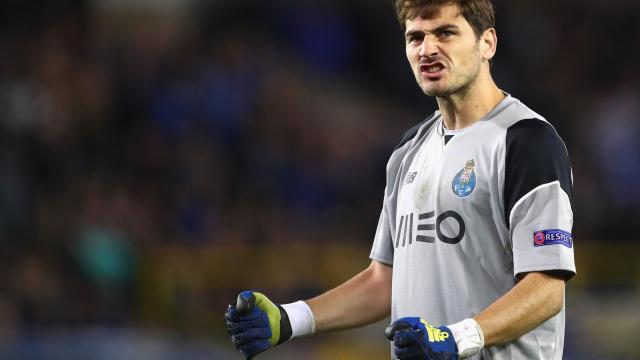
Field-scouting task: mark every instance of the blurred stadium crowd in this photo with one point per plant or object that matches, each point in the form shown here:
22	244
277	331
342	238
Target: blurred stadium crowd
148	149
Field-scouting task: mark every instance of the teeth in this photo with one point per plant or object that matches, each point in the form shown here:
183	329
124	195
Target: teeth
433	68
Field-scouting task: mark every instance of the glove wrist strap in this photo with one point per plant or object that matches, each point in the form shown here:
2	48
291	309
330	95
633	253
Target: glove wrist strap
285	326
301	319
468	336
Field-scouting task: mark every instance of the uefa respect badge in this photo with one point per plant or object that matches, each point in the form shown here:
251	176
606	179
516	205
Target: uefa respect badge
552	237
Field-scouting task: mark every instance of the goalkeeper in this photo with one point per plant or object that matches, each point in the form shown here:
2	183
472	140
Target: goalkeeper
474	244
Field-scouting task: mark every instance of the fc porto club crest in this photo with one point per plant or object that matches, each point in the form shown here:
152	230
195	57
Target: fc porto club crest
465	181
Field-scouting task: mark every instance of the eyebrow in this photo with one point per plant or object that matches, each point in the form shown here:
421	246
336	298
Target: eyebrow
439	29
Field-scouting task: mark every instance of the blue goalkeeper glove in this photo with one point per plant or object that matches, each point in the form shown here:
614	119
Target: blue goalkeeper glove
415	339
256	324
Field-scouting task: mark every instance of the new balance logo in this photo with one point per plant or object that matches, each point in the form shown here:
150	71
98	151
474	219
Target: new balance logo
410	177
425	223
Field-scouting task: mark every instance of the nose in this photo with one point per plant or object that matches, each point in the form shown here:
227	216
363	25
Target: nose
428	47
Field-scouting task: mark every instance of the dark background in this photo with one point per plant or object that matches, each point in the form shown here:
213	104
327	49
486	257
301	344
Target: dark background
156	157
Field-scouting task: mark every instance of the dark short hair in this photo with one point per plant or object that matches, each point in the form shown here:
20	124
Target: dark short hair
480	14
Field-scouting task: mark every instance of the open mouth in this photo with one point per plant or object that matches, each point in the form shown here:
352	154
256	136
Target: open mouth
432	70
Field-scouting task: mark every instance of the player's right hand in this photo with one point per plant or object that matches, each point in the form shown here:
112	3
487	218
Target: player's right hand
256	324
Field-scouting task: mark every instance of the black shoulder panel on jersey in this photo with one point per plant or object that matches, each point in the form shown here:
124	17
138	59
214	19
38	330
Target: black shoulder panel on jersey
535	155
411	133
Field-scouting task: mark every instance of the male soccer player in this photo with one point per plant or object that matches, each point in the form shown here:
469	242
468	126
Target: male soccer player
475	230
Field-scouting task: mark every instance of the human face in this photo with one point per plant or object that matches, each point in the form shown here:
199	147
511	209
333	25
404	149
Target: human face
443	51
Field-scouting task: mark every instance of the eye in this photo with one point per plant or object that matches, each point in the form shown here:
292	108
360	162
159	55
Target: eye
446	34
414	39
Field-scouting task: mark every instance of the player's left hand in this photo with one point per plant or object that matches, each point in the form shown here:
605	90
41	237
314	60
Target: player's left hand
415	339
258	327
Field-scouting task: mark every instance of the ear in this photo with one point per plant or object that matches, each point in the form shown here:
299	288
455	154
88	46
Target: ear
488	44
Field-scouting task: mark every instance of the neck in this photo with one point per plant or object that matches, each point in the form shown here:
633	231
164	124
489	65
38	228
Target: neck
471	103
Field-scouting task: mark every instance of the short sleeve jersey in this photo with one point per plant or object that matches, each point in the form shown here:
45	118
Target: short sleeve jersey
466	212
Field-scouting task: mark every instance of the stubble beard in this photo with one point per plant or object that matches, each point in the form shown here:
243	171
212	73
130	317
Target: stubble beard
458	82
458	85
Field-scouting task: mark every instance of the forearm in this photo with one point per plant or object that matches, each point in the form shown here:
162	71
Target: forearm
363	299
536	298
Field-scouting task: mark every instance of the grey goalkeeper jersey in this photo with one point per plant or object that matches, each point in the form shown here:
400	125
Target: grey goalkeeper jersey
466	212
